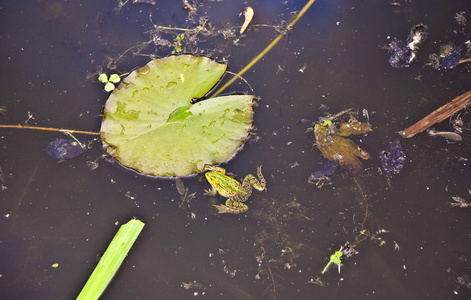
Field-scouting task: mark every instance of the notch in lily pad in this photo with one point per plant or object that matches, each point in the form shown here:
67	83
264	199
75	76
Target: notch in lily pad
151	124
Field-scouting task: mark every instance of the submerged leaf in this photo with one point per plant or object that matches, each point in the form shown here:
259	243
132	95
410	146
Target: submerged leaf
353	128
151	125
335	147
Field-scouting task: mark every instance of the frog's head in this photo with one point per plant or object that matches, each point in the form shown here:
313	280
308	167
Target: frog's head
212	178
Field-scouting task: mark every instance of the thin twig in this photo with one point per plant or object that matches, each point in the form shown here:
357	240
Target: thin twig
19	126
269	271
242	78
366	212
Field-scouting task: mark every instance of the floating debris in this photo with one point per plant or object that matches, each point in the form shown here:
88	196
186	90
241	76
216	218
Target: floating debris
452	136
450	55
65	149
404	53
460	202
150	2
460	18
396	246
318	281
452	59
192	285
248	15
392	159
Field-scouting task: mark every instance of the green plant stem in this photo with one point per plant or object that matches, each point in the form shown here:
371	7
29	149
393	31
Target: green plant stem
265	51
111	260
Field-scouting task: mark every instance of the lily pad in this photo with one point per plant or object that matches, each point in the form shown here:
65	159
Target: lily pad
151	125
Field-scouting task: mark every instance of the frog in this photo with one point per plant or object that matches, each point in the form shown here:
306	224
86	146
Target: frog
230	188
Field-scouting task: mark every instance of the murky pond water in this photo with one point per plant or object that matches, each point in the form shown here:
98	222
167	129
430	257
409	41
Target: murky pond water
66	213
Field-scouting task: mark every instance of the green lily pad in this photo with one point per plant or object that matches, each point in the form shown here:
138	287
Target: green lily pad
150	124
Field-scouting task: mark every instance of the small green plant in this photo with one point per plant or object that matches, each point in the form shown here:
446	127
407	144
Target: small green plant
334	259
109	82
347	251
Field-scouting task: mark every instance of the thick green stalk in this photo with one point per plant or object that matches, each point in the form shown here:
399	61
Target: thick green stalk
111	260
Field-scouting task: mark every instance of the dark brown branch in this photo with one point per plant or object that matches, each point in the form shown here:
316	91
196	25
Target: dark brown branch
438	115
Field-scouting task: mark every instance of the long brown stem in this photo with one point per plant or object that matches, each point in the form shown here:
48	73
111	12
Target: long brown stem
19	126
438	115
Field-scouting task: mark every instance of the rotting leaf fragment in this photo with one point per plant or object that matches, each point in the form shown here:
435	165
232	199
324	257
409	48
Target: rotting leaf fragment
333	144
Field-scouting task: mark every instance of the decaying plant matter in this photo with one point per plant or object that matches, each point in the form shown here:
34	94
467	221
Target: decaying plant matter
331	141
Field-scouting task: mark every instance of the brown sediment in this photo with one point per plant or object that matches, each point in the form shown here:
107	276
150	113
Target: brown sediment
438	115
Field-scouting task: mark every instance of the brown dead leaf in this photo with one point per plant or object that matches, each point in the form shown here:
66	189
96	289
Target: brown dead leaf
335	147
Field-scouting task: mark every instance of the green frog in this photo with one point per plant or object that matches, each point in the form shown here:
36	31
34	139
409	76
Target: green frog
230	188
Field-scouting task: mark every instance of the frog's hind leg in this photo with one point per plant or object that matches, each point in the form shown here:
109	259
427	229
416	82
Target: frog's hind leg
236	207
261	182
250	181
232	207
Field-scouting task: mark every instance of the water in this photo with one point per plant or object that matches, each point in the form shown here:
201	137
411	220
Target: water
66	213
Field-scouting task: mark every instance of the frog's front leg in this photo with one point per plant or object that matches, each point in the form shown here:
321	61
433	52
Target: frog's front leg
211	192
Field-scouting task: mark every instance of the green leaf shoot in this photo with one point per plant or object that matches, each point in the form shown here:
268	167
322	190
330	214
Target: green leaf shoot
111	260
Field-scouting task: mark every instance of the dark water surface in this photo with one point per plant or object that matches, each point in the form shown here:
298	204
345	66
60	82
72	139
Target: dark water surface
67	213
